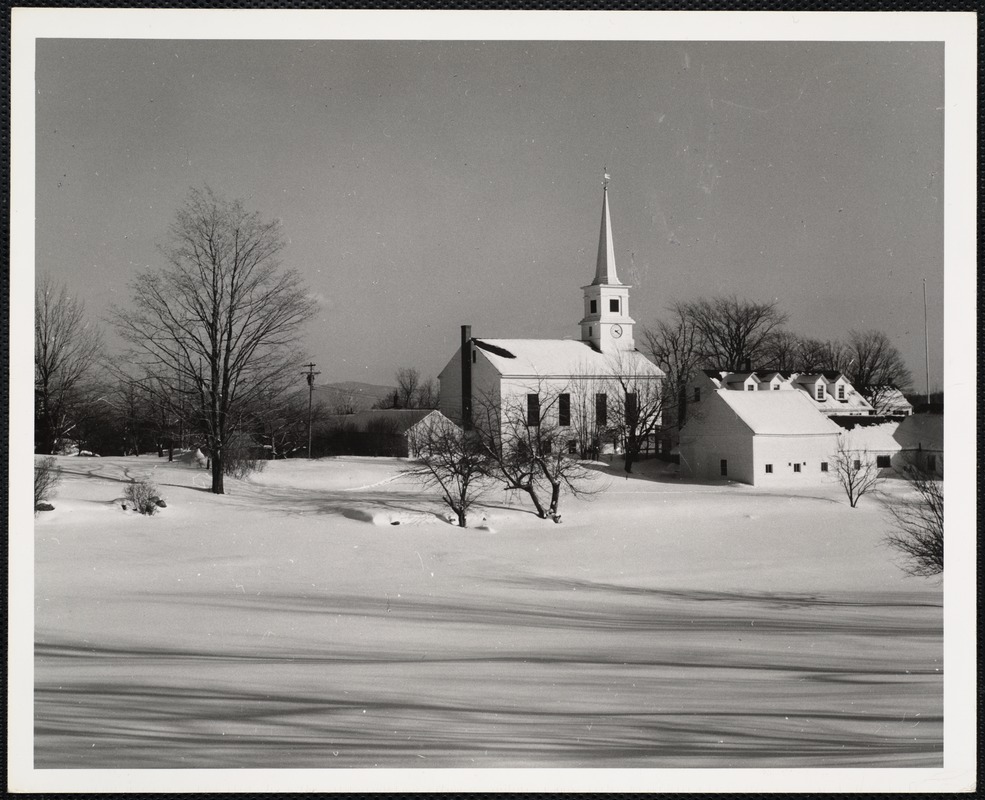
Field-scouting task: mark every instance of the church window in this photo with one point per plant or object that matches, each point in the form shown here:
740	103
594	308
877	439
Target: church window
594	306
473	357
533	409
589	330
564	410
614	304
632	408
796	467
601	416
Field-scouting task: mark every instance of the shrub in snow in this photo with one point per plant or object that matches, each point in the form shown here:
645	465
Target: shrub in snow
46	479
241	463
142	497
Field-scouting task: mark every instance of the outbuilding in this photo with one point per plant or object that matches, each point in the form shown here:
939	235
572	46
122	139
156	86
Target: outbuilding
769	438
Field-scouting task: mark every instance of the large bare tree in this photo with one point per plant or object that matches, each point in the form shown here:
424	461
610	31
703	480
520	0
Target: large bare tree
66	351
217	326
675	347
876	366
733	331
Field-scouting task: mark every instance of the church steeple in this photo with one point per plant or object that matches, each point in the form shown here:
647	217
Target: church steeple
607	325
605	266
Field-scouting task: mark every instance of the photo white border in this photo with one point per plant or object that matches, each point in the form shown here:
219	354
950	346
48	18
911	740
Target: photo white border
958	31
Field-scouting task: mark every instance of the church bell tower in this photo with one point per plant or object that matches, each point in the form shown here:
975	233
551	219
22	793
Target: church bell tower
607	325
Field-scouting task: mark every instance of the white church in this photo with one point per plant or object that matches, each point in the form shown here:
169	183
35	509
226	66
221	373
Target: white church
582	387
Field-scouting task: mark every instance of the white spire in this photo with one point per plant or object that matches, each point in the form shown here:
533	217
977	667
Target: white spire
605	267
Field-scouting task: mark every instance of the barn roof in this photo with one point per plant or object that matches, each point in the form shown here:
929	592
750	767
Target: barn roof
778	413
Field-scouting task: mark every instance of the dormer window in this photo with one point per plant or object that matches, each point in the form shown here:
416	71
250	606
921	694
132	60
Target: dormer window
820	393
750	387
776	386
841	391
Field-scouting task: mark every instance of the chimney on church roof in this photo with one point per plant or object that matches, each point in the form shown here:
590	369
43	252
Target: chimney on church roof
605	266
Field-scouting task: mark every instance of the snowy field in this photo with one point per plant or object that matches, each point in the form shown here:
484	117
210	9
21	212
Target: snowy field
325	614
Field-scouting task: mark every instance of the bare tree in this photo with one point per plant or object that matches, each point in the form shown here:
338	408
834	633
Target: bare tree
427	394
781	351
66	350
733	331
675	347
452	461
408	379
920	524
875	364
534	447
856	471
216	327
639	404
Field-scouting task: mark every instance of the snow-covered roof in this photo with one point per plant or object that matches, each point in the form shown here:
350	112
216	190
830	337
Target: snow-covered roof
569	358
396	420
778	413
925	431
874	438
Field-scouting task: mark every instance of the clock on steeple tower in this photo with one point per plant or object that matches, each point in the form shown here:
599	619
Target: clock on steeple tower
607	325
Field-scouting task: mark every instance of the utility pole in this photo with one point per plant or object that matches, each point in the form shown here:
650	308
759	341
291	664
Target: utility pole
310	376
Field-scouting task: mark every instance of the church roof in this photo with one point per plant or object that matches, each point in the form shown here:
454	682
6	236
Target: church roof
605	266
552	358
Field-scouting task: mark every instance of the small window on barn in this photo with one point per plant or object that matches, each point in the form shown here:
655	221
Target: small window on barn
931	463
572	446
857	465
601	412
564	410
533	410
614	304
776	386
796	467
593	307
769	469
882	461
723	465
697	394
750	387
824	466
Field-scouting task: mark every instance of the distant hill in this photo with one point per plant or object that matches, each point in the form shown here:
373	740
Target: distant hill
361	396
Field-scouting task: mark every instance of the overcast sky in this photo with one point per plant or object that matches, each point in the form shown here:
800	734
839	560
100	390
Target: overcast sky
426	185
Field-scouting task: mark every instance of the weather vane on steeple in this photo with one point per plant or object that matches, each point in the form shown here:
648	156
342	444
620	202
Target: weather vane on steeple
606	177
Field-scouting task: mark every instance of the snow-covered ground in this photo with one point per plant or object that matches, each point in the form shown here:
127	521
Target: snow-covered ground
326	614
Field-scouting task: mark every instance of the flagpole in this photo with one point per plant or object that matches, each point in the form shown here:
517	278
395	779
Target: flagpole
926	337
